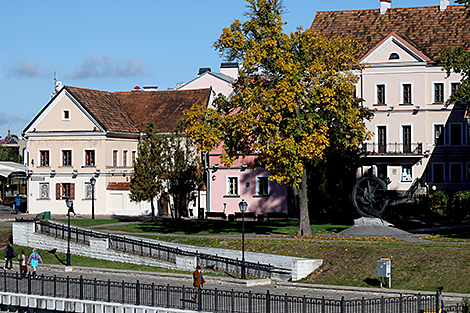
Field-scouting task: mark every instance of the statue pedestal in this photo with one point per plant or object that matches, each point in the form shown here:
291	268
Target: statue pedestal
371	221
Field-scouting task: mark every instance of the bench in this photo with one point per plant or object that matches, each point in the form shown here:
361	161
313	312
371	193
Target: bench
276	215
247	214
216	214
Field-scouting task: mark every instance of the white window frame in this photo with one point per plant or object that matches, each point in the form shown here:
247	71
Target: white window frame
444	94
39	158
61	164
227	185
376	89
402	90
63	115
257	186
450	135
450	172
443	172
434	135
402	166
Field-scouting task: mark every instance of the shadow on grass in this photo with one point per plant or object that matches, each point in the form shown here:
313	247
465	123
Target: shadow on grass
373	282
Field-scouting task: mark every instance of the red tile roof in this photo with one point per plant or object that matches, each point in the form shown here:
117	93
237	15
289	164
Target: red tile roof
104	106
119	186
164	108
426	28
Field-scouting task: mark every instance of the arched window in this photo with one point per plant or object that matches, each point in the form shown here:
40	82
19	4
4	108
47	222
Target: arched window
394	56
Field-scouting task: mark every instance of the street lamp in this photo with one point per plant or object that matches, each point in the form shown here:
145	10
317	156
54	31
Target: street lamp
93	183
243	205
69	203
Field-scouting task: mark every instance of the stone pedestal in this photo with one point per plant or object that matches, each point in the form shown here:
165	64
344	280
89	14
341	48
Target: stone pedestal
371	221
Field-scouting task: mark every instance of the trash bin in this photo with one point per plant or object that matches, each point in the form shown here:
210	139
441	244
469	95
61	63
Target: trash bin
200	213
47	215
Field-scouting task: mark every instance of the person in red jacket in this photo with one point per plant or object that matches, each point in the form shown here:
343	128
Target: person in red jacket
198	282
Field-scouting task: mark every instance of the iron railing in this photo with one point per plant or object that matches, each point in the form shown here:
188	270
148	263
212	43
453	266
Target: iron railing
210	300
393	148
156	250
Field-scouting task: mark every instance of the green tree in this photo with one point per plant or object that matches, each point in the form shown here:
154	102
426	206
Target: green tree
7	154
165	164
293	99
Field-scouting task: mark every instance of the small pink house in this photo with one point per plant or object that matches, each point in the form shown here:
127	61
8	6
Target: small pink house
227	187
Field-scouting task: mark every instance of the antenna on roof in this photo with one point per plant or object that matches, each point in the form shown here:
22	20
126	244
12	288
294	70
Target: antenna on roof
57	86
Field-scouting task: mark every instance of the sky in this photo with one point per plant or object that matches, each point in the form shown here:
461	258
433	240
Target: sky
117	45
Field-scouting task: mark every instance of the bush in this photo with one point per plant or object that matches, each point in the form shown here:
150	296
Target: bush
461	204
465	305
438	201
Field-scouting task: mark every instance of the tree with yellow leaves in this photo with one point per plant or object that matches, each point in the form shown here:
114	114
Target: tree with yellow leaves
294	95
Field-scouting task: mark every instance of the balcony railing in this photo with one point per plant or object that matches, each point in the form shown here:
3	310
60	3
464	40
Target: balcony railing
393	148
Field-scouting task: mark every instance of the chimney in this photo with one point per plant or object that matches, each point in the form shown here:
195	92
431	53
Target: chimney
229	69
202	70
443	5
384	5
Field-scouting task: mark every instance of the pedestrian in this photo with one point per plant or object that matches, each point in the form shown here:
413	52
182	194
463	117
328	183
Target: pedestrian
34	260
23	265
9	254
17	204
198	282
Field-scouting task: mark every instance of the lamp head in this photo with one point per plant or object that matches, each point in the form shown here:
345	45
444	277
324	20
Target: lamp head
242	205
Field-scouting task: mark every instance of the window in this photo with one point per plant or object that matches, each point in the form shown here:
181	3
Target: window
406	175
65	115
382	170
66	157
455	173
406	138
380	94
454	87
232	186
115	153
124	158
455	134
44	191
438	93
438	172
407	94
468	172
65	190
133	157
262	185
438	134
382	138
89	157
394	56
44	154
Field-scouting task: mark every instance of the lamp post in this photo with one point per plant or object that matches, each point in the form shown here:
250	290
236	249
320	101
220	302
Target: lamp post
93	183
243	205
69	203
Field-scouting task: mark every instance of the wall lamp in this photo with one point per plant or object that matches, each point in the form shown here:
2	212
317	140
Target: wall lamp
390	109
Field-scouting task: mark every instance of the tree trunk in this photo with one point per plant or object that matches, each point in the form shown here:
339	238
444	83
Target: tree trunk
153	210
304	225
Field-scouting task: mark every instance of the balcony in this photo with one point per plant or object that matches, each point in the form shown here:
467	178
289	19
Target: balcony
394	148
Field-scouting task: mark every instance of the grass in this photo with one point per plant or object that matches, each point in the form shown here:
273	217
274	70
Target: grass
89	222
214	227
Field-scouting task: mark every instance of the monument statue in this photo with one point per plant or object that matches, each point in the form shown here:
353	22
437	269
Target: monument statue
370	198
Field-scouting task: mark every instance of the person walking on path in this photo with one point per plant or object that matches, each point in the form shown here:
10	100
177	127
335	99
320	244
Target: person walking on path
198	282
23	265
9	254
17	204
34	260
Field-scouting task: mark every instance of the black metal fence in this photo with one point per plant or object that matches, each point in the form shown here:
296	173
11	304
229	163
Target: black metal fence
393	148
210	300
155	250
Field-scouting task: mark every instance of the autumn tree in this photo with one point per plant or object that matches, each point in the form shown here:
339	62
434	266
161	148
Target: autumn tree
293	99
165	163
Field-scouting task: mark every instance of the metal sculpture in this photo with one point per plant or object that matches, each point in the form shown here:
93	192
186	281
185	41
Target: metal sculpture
370	196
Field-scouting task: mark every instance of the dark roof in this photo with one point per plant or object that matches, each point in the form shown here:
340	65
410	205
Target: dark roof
164	108
105	107
426	28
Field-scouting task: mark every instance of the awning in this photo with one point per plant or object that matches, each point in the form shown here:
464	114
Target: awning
6	168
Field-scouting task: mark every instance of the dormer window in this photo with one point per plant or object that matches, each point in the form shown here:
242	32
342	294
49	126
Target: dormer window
65	115
394	56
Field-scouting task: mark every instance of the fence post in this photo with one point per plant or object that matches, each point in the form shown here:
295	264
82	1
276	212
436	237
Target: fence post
343	307
68	285
81	287
109	290
55	285
304	304
5	280
286	304
42	284
199	303
168	295
232	302
268	302
363	304
216	300
17	287
382	305
183	291
401	303
153	294
419	302
323	309
94	289
250	305
438	304
137	293
29	285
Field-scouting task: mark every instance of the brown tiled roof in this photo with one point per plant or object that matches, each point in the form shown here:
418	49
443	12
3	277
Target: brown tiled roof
164	108
119	186
426	28
104	106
